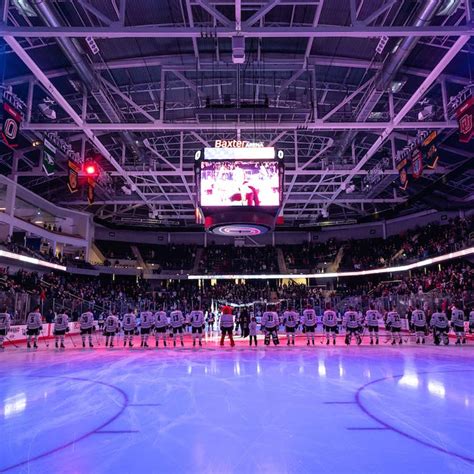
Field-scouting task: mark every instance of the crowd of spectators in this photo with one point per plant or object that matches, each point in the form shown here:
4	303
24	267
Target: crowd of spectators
309	256
169	257
227	259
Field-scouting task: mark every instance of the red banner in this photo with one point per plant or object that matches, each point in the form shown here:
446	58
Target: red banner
417	163
10	125
73	176
465	116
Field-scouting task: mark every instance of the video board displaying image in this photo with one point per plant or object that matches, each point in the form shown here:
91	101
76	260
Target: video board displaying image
240	183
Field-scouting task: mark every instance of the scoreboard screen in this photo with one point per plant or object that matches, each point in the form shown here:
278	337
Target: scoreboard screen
240	183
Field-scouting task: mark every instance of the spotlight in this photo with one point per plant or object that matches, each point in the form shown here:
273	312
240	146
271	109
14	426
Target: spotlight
90	168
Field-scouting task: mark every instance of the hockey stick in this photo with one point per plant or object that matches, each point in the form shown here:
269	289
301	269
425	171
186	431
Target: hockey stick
72	340
44	339
11	342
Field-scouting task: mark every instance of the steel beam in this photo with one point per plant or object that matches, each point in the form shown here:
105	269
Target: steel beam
36	70
159	126
156	31
416	96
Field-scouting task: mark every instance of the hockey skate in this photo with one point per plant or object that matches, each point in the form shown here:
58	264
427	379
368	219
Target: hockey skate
63	346
56	345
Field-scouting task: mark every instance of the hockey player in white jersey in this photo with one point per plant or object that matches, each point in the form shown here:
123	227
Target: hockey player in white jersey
147	320
86	323
5	321
290	320
372	320
471	322
111	328
129	324
309	322
440	325
394	325
270	322
352	325
161	327
34	324
177	325
457	323
61	326
418	320
197	326
330	324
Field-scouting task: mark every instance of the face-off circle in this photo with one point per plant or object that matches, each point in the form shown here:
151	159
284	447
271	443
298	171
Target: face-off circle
239	230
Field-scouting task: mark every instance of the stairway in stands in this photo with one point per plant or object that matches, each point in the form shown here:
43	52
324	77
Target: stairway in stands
282	268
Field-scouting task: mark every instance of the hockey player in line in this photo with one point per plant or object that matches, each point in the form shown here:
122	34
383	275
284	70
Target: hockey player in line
373	317
147	320
34	324
111	328
129	324
197	325
457	323
330	324
471	322
352	325
227	325
161	327
61	327
290	320
5	320
440	324
86	324
270	323
177	325
394	325
309	322
418	321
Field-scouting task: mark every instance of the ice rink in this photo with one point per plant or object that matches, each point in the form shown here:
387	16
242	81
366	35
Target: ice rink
407	409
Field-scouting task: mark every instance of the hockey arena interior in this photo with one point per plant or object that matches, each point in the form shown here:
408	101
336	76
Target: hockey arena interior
237	236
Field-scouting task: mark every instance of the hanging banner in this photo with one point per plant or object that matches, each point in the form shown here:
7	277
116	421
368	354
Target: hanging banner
11	120
90	190
73	176
465	116
417	163
402	163
49	157
429	150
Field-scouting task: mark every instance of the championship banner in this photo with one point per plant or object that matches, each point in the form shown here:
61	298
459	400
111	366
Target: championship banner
49	157
11	121
73	176
417	163
465	116
90	190
429	150
402	168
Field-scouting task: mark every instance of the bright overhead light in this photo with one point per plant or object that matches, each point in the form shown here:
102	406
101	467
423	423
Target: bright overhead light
92	45
24	8
449	7
397	85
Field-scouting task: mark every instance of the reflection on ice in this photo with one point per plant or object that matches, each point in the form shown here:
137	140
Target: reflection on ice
14	405
409	380
321	368
437	388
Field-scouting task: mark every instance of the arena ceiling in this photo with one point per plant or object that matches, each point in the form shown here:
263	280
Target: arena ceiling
340	86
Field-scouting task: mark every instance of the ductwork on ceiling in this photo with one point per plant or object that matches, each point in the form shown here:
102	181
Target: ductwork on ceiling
84	70
388	72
